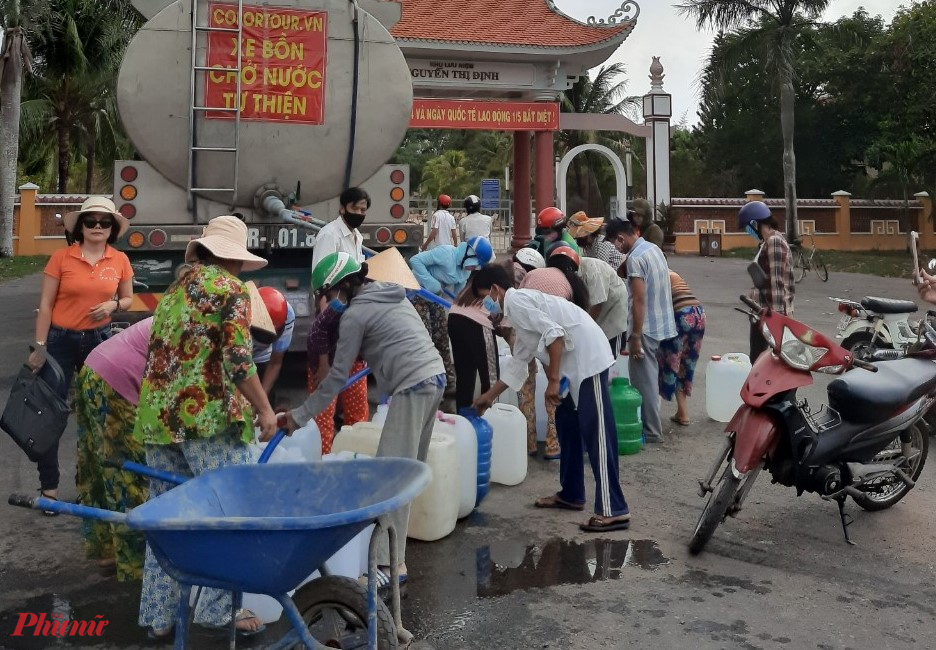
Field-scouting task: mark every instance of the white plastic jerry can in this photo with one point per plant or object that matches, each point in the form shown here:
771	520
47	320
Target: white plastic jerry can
509	451
724	377
434	513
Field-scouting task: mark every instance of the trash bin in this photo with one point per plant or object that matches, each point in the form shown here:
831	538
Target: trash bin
704	243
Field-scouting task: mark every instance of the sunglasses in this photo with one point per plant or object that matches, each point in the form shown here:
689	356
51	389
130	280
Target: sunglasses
103	223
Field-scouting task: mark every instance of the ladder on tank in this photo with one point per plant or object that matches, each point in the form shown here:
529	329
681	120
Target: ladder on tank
228	149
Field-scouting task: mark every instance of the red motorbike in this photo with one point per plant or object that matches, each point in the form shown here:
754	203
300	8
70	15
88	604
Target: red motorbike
866	444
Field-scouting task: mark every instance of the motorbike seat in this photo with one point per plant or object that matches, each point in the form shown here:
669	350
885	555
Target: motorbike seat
864	396
888	305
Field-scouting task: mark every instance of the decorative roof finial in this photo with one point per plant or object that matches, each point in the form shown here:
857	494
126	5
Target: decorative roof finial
656	76
622	15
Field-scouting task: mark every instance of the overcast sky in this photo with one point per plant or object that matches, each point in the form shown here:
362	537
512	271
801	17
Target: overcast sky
682	49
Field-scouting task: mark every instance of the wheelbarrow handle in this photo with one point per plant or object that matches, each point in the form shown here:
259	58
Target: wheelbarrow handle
65	508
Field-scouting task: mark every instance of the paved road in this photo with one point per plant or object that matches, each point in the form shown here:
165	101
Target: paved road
511	576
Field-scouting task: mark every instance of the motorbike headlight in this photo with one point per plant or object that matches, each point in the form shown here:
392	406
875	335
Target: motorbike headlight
765	332
797	354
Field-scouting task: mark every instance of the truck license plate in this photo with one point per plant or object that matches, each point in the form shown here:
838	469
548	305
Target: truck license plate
279	236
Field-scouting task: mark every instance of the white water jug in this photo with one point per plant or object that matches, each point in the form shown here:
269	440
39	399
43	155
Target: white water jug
434	513
466	443
509	451
307	441
438	505
362	438
381	415
724	378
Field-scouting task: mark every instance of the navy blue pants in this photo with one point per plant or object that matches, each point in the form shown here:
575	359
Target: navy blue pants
590	428
69	348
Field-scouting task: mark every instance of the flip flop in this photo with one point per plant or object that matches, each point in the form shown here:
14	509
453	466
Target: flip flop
553	501
682	423
242	615
383	579
555	456
597	525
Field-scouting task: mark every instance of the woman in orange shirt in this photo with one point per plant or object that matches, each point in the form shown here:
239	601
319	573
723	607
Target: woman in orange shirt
83	285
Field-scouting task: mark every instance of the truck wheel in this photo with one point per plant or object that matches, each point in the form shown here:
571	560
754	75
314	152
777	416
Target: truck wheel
715	510
334	609
885	492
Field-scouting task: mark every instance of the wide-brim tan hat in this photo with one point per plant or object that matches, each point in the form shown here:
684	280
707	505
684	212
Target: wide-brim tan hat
261	325
581	225
226	238
96	205
389	266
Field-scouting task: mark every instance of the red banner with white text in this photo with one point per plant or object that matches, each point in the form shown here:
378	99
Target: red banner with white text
487	116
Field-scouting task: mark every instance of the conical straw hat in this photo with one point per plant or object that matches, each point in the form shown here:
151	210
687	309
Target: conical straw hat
259	316
389	266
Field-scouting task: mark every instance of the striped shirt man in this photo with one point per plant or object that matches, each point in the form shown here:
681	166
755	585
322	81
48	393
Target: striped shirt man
646	261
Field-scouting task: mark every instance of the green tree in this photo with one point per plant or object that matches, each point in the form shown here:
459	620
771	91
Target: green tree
447	174
16	59
771	28
78	46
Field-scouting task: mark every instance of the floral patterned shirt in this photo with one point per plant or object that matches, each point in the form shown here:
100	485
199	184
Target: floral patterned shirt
199	350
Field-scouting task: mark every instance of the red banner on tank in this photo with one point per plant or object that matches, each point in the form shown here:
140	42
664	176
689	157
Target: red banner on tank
282	64
487	116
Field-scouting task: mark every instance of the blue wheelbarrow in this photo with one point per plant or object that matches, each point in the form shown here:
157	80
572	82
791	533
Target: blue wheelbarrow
264	528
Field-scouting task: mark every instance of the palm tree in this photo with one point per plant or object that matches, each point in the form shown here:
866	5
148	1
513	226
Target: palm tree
605	94
71	100
769	28
16	58
447	174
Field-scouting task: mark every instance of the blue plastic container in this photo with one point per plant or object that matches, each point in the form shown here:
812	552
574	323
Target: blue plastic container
485	444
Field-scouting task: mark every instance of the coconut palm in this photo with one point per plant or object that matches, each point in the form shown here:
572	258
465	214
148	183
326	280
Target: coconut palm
769	28
16	58
78	47
606	93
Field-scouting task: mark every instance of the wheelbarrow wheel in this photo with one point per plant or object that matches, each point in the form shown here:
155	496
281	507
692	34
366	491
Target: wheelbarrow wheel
334	609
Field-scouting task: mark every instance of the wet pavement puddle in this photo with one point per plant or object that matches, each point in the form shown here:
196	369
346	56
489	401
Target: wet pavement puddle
511	565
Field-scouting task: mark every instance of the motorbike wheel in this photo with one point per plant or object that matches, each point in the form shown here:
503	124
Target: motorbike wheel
887	494
335	610
859	344
715	511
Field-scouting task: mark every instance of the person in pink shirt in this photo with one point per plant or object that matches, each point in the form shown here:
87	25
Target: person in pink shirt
106	398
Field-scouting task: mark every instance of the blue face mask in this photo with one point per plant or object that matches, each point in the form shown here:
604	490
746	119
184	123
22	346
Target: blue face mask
493	307
749	229
337	306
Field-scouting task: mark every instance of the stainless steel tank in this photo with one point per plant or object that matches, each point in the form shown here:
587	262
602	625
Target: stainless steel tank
154	98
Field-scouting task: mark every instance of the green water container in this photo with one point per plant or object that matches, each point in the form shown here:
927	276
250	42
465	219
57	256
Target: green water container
625	403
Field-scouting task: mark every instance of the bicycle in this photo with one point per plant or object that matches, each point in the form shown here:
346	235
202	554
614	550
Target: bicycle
805	260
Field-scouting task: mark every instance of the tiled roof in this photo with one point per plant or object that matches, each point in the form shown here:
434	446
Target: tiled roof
519	23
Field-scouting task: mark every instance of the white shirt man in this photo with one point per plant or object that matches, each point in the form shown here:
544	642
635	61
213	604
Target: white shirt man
441	230
475	225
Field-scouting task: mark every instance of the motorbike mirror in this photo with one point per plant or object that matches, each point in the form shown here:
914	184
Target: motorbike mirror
931	265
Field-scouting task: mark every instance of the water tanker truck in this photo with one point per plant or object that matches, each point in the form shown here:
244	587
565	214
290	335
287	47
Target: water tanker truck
266	111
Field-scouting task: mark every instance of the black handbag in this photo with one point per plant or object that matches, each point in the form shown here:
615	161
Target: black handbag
36	413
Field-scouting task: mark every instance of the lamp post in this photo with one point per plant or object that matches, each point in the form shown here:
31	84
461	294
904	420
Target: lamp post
628	169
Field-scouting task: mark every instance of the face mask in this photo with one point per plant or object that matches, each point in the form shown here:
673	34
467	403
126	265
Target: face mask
492	306
337	306
353	220
749	229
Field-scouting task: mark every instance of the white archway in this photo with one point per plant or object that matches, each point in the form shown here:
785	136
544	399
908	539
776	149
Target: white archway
616	163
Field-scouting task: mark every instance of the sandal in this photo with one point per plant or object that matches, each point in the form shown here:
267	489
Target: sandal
48	513
599	524
383	578
242	616
682	423
553	501
159	635
554	456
